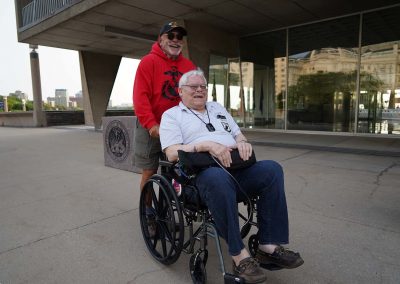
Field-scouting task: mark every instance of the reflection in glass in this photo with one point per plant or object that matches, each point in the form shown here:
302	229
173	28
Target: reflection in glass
379	102
231	85
240	81
264	79
217	80
327	79
323	75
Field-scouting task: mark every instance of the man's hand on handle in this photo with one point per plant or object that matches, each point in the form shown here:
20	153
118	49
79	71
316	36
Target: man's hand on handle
155	131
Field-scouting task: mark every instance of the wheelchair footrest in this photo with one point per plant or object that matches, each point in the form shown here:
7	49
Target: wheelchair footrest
270	266
233	279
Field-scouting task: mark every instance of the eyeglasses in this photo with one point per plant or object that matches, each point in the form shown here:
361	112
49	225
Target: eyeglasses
195	87
172	36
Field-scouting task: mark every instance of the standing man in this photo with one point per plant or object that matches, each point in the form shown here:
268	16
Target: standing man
156	90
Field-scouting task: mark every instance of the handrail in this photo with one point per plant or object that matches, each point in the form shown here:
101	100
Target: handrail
38	10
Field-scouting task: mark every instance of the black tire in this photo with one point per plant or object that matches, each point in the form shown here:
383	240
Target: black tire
253	244
197	266
166	242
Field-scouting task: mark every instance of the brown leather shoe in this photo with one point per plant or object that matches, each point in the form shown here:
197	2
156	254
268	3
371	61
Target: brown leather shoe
249	270
281	257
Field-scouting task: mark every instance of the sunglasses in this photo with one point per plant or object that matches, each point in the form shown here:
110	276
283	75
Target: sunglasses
172	36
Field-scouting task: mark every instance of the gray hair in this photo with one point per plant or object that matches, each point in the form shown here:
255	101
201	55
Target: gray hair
185	77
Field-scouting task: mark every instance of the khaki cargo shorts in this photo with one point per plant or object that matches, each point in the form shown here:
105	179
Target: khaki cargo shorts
147	149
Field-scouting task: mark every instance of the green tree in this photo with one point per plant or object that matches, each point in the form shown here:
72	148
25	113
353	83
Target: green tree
47	106
318	89
14	104
61	107
29	105
319	94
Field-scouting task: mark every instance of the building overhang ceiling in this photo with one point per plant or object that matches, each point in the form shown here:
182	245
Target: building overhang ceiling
127	27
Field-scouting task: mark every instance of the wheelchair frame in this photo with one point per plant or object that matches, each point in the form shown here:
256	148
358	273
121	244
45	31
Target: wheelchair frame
170	212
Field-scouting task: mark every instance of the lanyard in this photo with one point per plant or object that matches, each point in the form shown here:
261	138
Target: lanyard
209	126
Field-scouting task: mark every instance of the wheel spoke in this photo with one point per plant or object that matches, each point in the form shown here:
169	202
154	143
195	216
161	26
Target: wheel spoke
166	245
168	237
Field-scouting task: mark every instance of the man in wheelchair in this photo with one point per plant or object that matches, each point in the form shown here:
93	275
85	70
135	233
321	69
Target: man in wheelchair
196	125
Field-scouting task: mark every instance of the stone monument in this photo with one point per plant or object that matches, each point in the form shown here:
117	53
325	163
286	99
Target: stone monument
118	137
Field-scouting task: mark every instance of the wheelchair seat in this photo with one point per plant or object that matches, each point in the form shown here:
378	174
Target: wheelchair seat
174	219
189	194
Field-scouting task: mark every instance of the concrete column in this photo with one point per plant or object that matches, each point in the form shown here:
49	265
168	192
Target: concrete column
98	73
5	100
39	117
87	110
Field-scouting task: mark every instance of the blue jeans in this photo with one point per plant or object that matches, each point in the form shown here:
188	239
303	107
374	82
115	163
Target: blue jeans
221	195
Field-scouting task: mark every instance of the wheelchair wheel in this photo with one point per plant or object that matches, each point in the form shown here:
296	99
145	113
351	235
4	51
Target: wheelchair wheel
161	220
253	244
197	266
245	219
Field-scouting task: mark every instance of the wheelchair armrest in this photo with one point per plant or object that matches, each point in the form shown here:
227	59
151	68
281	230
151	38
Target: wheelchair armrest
167	164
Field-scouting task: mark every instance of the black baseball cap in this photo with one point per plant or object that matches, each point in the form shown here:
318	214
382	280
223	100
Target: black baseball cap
172	26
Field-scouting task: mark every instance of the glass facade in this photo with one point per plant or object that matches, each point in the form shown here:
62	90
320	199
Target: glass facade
217	83
225	81
340	75
265	56
379	100
323	75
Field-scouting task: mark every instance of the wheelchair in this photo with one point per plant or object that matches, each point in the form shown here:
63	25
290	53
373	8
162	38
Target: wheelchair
183	224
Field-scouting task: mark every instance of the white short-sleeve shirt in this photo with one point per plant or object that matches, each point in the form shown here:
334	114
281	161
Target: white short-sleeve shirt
180	126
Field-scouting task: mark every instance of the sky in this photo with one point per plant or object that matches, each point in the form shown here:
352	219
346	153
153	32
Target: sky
59	68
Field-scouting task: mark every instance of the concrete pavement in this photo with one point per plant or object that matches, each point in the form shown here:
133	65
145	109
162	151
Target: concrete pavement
66	218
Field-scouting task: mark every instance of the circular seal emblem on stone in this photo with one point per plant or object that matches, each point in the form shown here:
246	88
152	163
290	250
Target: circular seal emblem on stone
117	141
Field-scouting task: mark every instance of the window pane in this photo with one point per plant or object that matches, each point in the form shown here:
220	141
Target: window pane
217	79
322	75
231	85
264	79
379	102
235	92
